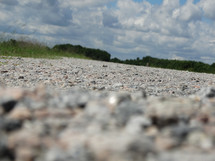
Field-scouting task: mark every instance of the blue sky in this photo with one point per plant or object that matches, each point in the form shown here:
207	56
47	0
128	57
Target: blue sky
173	29
153	1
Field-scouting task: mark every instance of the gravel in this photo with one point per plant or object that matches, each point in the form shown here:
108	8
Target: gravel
94	75
81	110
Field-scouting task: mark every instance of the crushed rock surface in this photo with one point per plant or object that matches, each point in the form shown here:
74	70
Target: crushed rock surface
95	75
81	110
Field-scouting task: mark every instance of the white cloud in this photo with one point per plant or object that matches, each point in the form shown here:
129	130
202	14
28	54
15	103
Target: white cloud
84	3
128	29
208	7
9	2
109	19
176	57
189	12
170	5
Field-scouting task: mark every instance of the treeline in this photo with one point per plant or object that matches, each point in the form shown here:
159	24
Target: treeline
34	49
95	54
98	54
192	66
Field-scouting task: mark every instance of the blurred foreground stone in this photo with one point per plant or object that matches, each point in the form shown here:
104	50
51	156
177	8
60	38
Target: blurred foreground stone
81	125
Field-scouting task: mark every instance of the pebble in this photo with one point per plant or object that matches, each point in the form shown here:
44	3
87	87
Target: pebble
81	110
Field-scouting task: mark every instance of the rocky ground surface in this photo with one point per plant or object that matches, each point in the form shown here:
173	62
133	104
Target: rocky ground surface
94	75
83	110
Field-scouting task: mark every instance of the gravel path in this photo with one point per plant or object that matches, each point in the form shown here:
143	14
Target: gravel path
99	111
94	75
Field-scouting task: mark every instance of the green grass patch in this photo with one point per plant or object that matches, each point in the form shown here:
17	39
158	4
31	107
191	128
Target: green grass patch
16	48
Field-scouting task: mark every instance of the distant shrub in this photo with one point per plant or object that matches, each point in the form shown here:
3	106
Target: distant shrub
95	54
192	66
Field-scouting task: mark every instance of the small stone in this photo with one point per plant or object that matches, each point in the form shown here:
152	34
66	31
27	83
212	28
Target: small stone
181	131
93	82
200	140
101	88
116	99
21	77
98	111
8	106
25	154
125	111
20	113
138	96
72	99
206	95
9	99
169	111
139	148
152	131
41	113
24	138
165	143
184	87
66	77
10	125
137	124
117	85
12	93
6	152
4	71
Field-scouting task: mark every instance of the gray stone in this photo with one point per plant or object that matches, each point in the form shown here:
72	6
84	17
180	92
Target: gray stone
116	99
6	154
9	125
137	124
126	110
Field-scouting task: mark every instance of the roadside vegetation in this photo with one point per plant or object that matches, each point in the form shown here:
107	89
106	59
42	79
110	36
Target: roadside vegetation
20	48
33	50
95	54
192	66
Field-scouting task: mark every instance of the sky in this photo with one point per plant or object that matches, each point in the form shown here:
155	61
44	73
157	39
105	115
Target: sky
127	29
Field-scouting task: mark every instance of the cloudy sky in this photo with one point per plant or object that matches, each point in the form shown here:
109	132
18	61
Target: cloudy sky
173	29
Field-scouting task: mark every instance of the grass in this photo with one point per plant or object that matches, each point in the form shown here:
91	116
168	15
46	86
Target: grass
18	48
